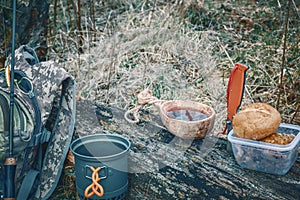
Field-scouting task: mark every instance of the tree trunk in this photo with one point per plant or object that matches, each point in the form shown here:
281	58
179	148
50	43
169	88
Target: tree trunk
31	26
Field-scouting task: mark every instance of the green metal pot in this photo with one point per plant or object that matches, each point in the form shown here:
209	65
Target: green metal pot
101	166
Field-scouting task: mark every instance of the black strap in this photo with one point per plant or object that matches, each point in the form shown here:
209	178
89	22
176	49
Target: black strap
27	184
25	85
5	111
32	179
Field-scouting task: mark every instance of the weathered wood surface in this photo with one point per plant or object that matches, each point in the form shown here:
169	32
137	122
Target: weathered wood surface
165	167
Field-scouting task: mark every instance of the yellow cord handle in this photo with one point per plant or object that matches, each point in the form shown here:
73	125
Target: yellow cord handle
95	186
143	98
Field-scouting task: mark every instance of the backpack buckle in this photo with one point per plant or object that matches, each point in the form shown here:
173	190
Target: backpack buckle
40	138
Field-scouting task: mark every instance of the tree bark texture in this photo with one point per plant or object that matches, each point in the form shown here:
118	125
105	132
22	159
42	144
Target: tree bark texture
32	17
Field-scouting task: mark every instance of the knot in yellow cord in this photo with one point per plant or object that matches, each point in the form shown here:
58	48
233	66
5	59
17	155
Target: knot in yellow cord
95	187
143	98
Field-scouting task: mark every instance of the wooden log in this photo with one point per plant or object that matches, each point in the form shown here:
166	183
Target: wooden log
162	166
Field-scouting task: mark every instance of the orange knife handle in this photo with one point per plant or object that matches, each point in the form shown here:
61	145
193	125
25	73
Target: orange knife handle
235	89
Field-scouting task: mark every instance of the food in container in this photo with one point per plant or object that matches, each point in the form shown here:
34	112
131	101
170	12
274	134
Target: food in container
279	138
256	121
267	157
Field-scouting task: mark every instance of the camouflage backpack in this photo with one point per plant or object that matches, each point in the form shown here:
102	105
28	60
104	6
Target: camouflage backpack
44	118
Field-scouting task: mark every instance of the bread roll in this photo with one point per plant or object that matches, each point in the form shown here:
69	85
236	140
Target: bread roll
256	121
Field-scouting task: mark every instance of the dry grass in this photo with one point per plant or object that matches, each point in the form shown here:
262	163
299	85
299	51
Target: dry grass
180	50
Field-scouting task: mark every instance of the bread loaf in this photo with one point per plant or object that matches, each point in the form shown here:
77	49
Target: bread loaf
256	121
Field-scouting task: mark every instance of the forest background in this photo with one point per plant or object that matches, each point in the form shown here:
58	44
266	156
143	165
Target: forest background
179	49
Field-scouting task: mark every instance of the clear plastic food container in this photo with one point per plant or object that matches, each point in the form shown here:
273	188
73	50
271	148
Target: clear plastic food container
266	157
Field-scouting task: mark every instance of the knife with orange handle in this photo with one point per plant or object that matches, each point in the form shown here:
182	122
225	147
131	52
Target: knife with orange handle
235	92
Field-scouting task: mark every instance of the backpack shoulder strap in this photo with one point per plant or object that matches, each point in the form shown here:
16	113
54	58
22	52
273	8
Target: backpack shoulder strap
59	143
28	183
